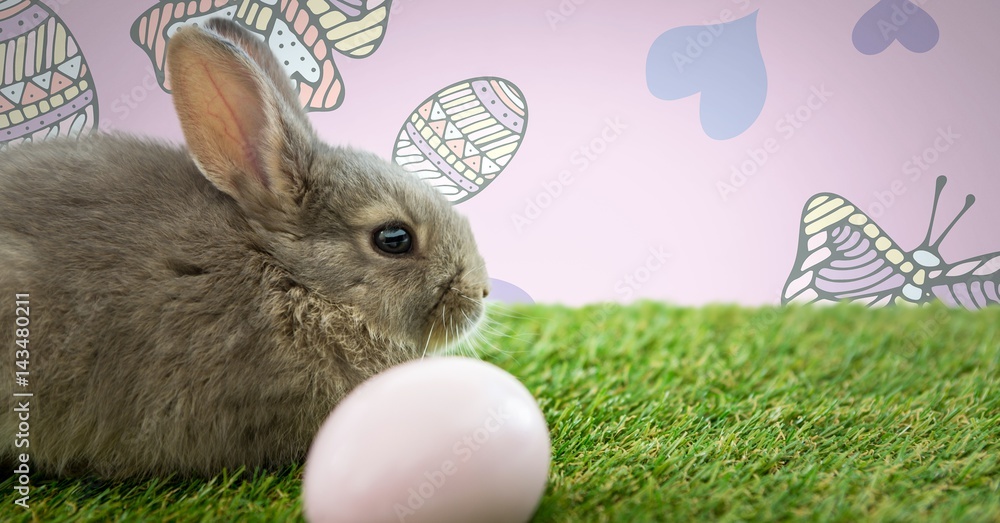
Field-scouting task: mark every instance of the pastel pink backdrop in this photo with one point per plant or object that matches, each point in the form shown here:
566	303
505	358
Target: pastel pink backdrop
654	187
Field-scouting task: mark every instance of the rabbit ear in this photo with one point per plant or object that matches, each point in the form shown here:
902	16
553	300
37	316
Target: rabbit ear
263	56
238	125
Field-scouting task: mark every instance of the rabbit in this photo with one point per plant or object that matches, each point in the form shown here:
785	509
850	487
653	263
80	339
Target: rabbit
201	308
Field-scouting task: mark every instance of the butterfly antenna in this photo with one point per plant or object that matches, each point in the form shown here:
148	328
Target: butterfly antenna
941	181
969	200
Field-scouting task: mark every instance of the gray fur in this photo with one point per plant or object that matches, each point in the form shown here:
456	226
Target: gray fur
173	330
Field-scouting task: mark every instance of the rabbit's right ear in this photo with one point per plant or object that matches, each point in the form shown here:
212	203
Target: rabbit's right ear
239	126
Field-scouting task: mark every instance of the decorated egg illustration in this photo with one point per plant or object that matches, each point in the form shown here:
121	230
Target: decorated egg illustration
303	35
462	137
46	88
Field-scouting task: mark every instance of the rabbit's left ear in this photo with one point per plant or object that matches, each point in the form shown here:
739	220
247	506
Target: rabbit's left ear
239	125
264	57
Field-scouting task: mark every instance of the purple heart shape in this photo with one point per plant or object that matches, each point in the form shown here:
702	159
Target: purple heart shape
504	292
893	20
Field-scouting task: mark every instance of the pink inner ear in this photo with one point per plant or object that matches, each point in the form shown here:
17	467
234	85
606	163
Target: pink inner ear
238	116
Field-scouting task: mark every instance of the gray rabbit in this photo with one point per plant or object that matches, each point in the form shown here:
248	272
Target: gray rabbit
200	308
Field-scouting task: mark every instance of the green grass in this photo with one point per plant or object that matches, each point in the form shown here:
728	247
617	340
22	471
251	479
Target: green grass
720	413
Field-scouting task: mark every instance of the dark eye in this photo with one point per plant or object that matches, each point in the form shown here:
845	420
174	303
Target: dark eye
393	239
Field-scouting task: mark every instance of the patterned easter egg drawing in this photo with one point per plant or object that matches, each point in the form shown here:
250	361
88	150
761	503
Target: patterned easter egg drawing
462	137
303	34
46	88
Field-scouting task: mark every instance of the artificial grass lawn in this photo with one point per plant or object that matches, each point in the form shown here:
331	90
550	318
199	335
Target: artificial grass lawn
720	413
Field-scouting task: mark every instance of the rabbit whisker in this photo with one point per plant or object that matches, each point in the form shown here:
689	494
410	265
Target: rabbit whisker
428	342
504	310
459	293
444	322
475	333
480	266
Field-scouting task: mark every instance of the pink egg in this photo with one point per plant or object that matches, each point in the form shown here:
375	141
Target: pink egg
436	440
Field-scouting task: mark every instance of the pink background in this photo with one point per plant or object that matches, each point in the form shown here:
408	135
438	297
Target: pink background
654	187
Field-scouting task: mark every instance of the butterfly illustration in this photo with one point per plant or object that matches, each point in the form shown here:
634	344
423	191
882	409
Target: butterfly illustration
304	34
844	256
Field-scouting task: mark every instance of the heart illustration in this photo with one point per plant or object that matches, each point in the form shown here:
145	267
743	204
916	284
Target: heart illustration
722	62
893	20
503	292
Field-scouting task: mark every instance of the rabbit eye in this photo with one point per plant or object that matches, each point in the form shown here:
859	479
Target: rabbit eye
393	240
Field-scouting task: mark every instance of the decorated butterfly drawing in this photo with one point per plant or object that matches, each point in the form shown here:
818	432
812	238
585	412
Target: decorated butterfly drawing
303	34
844	256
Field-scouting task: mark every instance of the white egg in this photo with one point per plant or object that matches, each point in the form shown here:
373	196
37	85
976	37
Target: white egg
436	440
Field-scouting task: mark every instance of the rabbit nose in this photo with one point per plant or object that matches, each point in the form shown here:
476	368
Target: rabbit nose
486	291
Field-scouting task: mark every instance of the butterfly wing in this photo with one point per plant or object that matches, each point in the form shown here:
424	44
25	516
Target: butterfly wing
844	256
153	29
305	34
354	28
973	284
289	28
295	34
